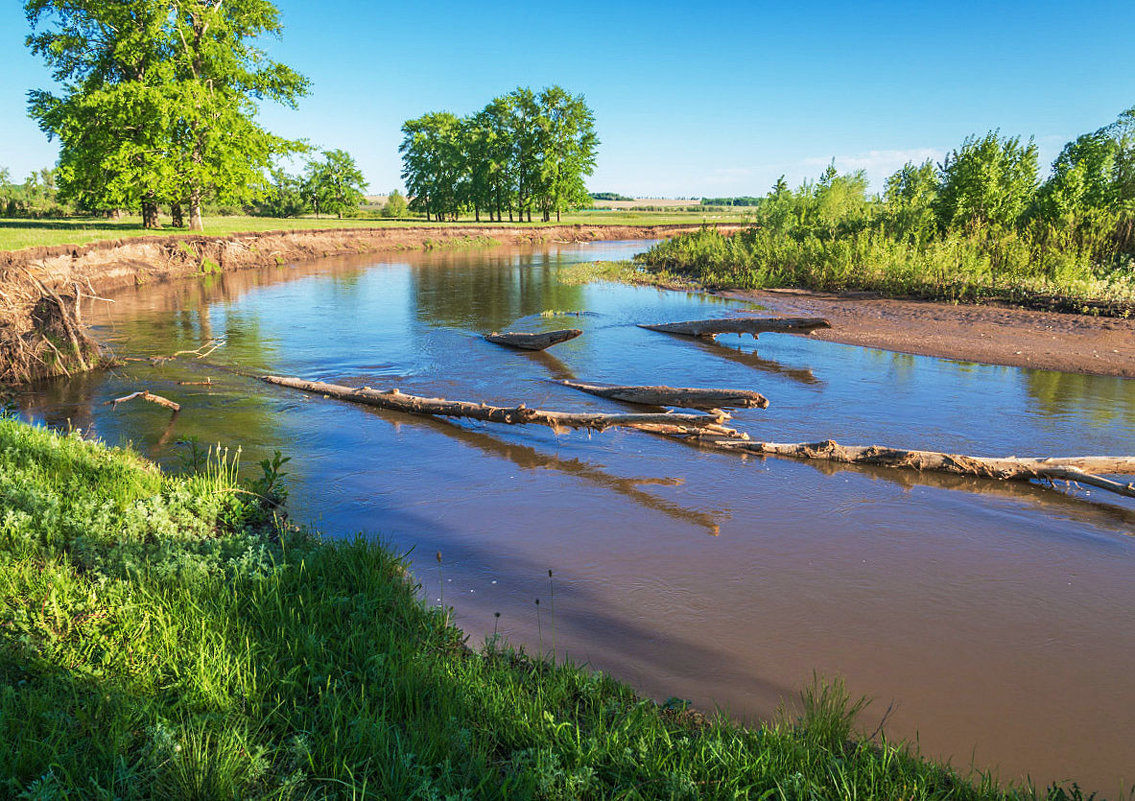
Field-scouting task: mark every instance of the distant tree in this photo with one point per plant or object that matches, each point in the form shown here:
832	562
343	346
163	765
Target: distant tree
1094	172
523	132
285	196
395	205
432	165
989	180
569	143
910	195
335	184
609	196
494	120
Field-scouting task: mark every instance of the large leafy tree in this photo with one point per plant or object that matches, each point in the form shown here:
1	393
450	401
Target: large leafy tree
433	164
158	97
987	180
111	60
568	150
221	73
910	195
335	183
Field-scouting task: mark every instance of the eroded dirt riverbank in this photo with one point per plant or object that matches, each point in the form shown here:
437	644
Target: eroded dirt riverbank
1072	343
40	331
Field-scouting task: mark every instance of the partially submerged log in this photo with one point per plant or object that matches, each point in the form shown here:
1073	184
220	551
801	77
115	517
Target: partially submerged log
741	325
516	339
513	415
146	395
1080	469
686	397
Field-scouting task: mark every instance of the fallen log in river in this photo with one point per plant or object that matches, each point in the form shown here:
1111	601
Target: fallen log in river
513	415
741	325
707	430
1080	469
686	397
524	341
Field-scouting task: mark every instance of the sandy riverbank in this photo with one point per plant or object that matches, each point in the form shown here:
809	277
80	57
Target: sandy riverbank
1072	343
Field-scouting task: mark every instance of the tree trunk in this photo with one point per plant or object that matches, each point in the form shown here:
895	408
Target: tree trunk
513	415
195	222
526	341
178	220
741	325
686	397
150	214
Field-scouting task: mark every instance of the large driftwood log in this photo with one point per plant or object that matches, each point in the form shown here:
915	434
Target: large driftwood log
516	339
741	325
1081	469
686	397
513	415
146	395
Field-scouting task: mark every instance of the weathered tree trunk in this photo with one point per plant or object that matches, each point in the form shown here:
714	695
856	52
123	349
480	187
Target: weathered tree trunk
1082	469
195	221
177	218
686	397
516	339
145	394
150	214
512	415
741	325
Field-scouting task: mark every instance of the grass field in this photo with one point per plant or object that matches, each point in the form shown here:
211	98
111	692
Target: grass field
166	637
22	233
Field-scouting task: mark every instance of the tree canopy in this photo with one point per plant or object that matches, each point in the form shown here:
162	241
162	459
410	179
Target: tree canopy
158	98
523	152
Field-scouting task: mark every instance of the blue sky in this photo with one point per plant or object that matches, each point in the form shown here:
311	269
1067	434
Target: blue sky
689	99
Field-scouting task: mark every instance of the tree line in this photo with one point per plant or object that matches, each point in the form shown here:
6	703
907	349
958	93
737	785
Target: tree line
990	183
979	223
523	152
37	196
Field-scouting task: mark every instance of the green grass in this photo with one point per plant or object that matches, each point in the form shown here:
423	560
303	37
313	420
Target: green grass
164	637
958	267
22	233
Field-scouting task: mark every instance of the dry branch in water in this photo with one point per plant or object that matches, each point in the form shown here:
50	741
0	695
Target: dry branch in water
146	395
516	339
1081	469
686	397
512	415
741	325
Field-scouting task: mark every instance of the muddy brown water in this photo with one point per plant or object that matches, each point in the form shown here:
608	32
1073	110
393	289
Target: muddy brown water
997	620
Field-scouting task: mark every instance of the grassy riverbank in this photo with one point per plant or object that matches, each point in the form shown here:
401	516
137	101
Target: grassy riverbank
164	637
17	233
968	267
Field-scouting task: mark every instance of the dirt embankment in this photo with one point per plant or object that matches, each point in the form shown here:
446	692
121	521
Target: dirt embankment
41	334
1073	343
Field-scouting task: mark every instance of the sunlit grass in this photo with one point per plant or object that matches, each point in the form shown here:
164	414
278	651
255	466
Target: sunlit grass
16	234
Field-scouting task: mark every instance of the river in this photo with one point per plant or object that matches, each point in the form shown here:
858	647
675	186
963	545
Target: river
995	621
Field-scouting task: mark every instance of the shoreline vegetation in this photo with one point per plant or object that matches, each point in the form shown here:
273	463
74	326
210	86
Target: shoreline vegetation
173	636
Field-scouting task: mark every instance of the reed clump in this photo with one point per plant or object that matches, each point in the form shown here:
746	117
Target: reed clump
169	636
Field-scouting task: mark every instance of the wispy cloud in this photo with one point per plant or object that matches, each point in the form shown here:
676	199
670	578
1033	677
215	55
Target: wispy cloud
727	176
878	164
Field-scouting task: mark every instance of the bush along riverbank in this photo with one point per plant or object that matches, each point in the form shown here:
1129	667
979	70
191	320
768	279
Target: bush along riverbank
168	636
979	266
981	225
